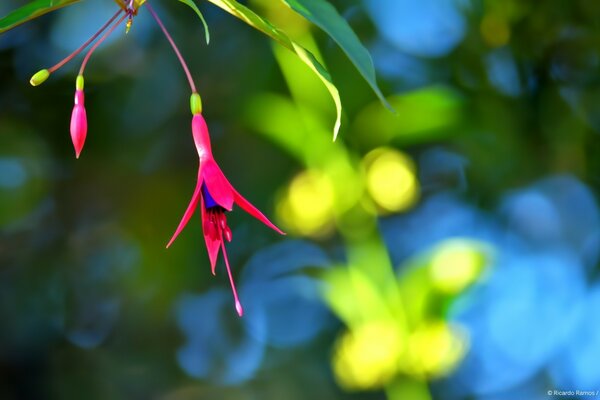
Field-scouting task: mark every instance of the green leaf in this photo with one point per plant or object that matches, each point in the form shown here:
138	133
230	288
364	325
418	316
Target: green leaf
193	6
326	17
30	11
251	18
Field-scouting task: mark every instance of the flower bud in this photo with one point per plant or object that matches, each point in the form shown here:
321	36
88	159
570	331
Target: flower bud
78	123
39	77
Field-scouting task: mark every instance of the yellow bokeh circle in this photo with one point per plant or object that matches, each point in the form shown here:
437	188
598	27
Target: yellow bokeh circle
368	357
307	206
435	349
391	180
455	264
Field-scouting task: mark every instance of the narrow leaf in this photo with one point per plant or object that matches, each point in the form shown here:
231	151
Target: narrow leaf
193	6
30	11
251	18
326	17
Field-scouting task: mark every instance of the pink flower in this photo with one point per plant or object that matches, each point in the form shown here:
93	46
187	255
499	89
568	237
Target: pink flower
78	119
215	195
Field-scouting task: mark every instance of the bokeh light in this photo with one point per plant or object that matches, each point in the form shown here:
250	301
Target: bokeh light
430	28
455	264
447	251
369	356
435	349
391	179
308	204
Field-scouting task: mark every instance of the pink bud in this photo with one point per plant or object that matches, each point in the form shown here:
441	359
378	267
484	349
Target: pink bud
78	123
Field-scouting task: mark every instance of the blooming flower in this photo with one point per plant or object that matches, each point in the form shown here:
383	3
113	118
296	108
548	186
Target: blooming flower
78	118
215	195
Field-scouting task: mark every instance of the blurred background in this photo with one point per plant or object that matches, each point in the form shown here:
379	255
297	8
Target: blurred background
449	251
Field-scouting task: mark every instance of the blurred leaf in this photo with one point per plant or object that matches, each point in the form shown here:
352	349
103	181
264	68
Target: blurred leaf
251	18
310	146
193	6
424	115
30	11
326	17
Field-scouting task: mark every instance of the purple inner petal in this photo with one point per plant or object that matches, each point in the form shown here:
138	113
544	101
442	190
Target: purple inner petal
209	202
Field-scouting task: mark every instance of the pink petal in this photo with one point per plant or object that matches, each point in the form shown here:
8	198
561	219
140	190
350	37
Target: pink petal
78	123
255	212
217	185
201	137
211	238
188	213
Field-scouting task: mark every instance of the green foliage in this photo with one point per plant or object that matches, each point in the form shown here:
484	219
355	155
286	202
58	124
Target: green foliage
319	12
194	7
30	11
256	21
326	17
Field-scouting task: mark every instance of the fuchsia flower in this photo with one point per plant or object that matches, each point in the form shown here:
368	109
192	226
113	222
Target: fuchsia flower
215	195
78	118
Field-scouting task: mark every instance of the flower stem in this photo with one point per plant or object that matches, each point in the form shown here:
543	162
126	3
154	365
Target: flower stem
95	46
170	39
86	44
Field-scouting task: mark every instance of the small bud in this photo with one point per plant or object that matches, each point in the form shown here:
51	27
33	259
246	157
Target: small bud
39	77
78	123
195	104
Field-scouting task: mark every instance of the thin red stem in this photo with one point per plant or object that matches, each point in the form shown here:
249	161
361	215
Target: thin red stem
86	44
170	39
95	46
238	304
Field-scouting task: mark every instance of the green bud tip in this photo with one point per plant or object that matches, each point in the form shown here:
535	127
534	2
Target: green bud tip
79	82
39	77
195	103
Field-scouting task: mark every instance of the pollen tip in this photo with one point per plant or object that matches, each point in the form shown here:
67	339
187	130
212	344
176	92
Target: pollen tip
239	309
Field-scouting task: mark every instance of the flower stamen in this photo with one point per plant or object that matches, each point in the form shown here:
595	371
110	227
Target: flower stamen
238	304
